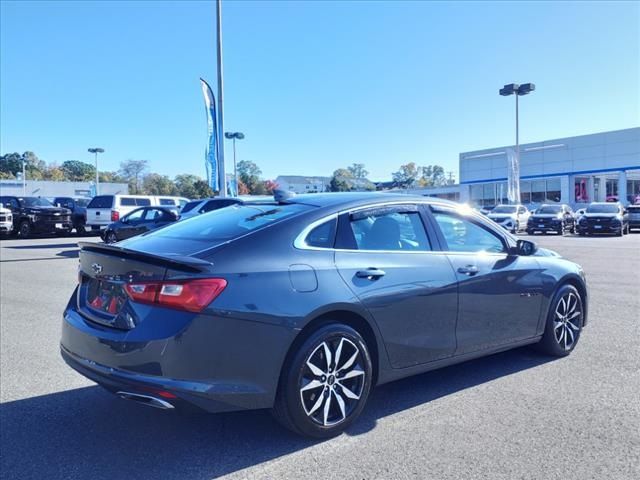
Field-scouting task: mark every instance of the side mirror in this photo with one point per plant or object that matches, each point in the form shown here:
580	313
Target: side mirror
525	248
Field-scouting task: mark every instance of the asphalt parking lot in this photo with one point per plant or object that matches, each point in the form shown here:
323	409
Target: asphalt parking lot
515	415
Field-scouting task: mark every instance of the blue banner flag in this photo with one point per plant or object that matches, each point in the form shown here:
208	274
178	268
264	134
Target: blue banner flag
211	154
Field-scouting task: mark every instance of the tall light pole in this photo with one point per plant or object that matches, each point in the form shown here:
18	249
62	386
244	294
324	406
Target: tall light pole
234	136
24	178
221	170
517	90
95	152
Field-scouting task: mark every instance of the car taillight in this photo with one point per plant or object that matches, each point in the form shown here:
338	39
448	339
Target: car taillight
115	215
190	295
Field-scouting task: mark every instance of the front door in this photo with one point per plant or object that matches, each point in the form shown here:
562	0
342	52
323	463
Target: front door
385	256
499	293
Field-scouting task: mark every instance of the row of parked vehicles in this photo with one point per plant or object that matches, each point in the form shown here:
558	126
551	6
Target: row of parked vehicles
597	218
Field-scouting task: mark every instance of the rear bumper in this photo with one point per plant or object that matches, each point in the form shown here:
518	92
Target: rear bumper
215	363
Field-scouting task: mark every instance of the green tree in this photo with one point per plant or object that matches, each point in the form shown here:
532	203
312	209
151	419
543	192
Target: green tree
202	189
358	171
132	171
185	185
342	180
407	175
11	164
34	166
432	176
77	171
110	177
156	184
249	174
54	172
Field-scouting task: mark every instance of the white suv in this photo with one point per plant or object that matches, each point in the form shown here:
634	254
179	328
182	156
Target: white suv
512	217
6	220
106	209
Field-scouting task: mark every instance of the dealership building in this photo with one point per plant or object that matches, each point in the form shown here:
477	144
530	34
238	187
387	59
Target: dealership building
576	170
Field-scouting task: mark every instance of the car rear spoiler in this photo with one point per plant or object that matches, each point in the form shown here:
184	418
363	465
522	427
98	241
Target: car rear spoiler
177	262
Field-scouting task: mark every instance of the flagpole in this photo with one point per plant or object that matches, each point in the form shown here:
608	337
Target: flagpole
220	137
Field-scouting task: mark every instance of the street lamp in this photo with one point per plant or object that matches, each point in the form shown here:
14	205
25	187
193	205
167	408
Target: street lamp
234	136
517	90
96	151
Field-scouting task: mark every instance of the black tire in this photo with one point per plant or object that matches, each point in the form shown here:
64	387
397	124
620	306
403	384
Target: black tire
582	234
304	412
110	237
24	229
558	330
515	229
529	232
81	230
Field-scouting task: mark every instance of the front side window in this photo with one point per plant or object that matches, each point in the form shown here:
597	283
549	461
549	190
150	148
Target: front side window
464	235
135	215
388	229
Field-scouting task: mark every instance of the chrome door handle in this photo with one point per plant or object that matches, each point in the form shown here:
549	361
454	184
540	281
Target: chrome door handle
468	270
370	273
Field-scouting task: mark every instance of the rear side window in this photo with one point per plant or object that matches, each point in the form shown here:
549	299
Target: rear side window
323	235
167	202
101	201
143	202
190	206
389	229
127	202
228	223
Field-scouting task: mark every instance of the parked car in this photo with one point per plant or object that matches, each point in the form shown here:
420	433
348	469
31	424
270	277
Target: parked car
6	220
78	207
511	217
556	218
36	215
106	209
634	217
203	205
140	220
604	217
304	305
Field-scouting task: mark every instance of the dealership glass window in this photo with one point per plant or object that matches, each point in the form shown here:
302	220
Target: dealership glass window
489	193
525	192
476	194
612	189
553	190
581	191
633	191
502	192
538	191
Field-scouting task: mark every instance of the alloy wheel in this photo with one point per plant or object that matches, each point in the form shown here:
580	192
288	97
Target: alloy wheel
332	381
567	320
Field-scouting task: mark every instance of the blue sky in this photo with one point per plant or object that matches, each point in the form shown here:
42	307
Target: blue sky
313	85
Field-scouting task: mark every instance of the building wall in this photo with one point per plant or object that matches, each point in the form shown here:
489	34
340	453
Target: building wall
601	165
39	188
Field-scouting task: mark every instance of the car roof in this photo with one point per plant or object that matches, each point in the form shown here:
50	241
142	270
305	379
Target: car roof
354	199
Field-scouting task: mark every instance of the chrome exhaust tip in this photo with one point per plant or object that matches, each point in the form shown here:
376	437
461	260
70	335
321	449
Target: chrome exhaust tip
145	400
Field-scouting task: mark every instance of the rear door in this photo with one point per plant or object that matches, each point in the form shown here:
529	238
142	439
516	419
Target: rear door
386	257
499	293
99	210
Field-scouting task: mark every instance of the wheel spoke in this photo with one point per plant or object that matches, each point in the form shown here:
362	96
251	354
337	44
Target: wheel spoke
348	393
574	315
316	405
340	404
327	407
557	324
327	354
571	307
351	374
572	325
566	337
311	385
561	335
570	333
350	362
336	360
315	370
561	309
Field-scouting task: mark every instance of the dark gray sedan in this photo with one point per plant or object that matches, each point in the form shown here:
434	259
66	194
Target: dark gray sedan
305	304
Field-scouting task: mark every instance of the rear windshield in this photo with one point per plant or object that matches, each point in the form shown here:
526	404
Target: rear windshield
549	209
34	202
101	201
190	206
602	208
504	209
228	223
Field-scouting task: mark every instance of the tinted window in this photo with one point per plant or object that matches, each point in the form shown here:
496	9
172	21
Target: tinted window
504	209
389	230
143	202
167	201
228	223
323	235
602	208
463	235
34	202
127	202
190	206
549	209
101	201
82	202
135	215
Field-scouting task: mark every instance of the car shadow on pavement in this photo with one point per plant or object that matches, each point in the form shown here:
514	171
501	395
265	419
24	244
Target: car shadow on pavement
88	433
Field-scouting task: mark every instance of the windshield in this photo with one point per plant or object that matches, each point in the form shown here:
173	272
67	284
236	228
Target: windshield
602	208
34	202
549	209
228	223
504	209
